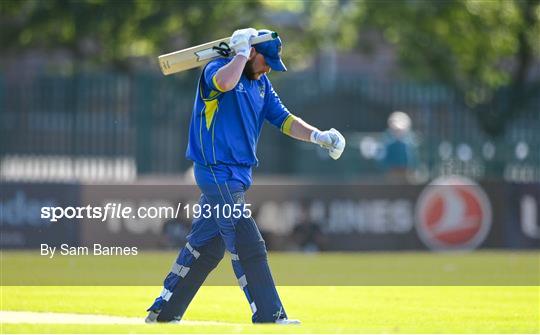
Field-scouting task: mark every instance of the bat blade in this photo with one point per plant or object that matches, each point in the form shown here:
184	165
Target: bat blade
189	58
199	55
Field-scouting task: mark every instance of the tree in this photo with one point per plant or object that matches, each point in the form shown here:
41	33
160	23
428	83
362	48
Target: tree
113	33
482	49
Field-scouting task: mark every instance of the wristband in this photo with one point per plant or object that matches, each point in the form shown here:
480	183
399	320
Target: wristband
244	53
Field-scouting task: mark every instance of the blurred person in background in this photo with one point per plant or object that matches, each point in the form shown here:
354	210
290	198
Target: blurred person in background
398	156
174	233
307	235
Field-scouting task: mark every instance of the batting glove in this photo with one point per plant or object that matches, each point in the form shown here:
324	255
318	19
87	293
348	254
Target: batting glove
332	140
240	41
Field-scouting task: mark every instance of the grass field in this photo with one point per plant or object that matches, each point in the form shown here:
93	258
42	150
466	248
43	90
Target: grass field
322	309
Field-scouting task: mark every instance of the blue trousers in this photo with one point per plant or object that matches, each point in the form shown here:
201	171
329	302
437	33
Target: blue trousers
223	223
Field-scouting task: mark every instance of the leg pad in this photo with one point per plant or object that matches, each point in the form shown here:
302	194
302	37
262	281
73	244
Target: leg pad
209	257
261	290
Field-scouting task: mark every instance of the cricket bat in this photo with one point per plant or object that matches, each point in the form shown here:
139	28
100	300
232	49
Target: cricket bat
199	55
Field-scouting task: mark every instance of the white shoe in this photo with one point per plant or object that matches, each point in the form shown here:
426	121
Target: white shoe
288	322
152	318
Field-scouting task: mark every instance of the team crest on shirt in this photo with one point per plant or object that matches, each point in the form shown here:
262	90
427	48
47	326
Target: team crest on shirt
261	89
240	88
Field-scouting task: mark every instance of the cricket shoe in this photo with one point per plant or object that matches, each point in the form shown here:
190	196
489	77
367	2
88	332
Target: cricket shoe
152	318
288	322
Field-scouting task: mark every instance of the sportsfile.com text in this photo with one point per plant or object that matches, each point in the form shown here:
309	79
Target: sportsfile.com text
122	211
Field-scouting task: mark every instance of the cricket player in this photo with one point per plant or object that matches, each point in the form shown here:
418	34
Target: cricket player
233	99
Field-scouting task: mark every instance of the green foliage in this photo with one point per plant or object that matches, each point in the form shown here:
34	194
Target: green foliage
462	42
477	47
111	33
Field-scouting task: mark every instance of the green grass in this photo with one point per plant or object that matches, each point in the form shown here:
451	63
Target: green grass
322	309
290	269
379	309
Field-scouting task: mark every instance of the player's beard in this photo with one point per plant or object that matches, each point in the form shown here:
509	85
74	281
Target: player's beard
250	72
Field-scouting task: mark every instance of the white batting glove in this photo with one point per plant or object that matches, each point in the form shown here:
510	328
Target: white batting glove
332	140
240	41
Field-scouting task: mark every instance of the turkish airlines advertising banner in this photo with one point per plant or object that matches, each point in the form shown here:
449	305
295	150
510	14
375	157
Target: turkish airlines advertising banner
449	213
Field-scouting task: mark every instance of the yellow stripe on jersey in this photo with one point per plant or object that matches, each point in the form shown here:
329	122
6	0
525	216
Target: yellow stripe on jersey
209	111
214	81
286	125
213	94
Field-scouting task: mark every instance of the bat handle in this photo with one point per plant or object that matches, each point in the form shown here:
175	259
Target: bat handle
224	50
263	38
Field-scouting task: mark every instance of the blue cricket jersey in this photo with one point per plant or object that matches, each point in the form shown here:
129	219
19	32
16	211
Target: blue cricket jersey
225	126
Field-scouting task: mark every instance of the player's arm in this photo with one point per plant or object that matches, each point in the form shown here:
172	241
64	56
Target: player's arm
300	129
331	139
277	114
228	76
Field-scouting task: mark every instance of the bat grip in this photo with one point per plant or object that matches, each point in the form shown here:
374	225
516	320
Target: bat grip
263	38
224	50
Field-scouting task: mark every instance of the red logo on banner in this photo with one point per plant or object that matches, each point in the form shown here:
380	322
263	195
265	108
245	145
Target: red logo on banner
453	213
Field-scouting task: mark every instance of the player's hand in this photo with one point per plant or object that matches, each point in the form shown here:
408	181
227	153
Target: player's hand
332	140
240	41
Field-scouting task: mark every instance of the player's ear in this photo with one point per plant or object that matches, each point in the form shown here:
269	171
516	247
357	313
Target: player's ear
252	53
